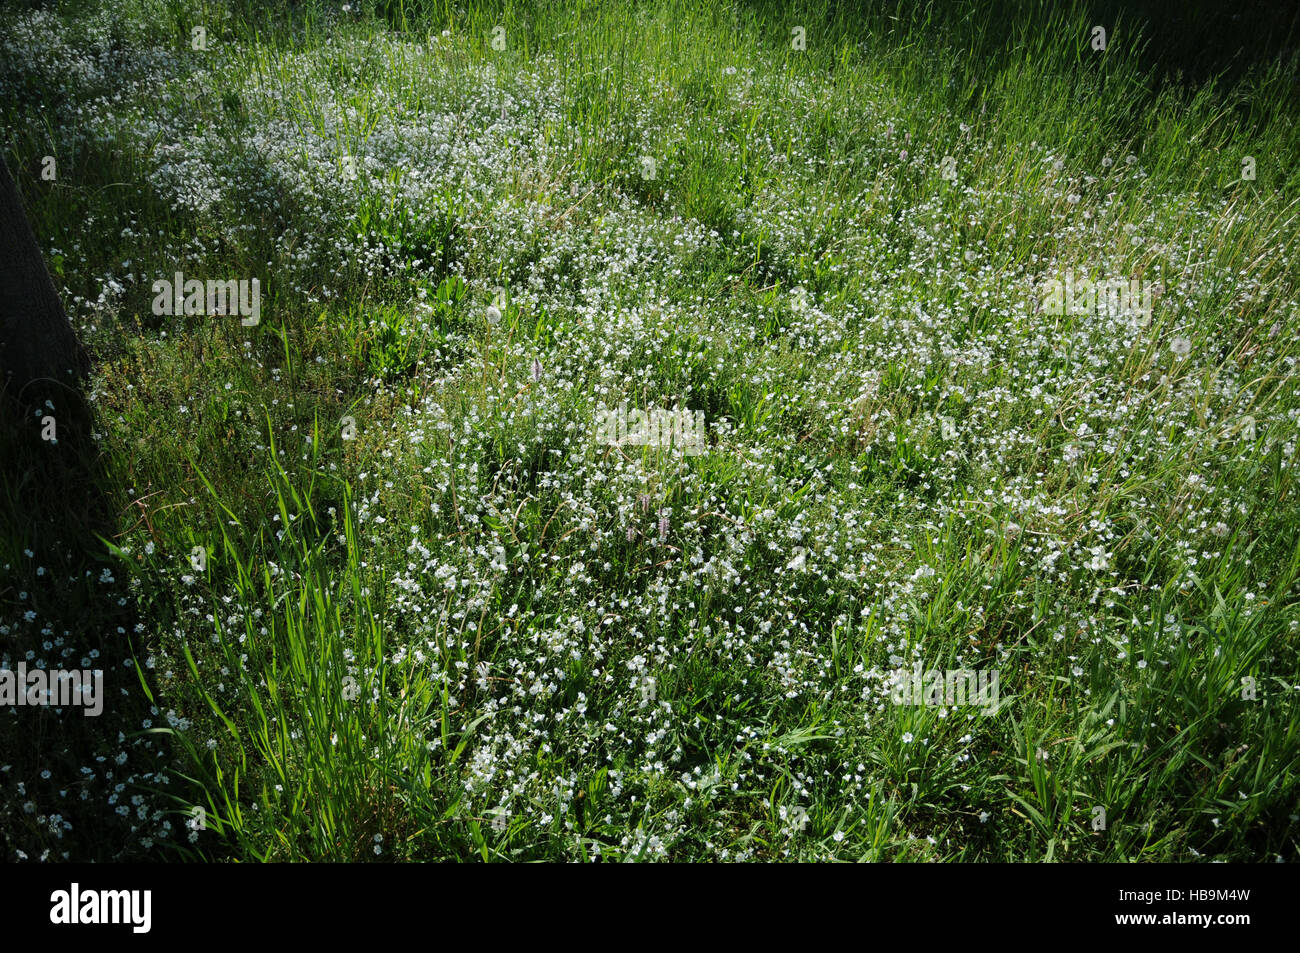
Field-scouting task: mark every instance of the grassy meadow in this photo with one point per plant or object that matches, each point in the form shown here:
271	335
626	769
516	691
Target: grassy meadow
367	583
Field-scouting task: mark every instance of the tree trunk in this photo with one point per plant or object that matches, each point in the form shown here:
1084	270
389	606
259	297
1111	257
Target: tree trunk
39	353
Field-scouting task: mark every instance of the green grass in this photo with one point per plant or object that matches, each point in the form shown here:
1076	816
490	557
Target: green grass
431	600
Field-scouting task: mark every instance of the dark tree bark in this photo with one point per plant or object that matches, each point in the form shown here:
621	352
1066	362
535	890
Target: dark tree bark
39	353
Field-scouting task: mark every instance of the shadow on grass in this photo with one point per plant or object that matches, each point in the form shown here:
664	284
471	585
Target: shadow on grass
1188	40
62	607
